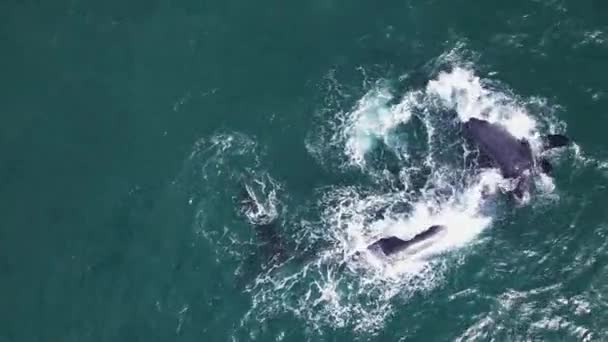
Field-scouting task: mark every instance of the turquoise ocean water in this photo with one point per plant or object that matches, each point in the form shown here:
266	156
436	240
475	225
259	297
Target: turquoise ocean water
187	170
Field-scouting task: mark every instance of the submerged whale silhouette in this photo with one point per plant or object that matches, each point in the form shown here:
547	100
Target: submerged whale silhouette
392	245
514	157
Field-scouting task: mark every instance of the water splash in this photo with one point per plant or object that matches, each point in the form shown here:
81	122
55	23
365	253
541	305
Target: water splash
463	91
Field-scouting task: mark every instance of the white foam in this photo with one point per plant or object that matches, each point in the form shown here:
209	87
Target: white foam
464	92
372	120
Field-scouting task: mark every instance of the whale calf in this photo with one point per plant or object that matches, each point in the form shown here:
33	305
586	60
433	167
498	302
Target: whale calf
514	157
391	245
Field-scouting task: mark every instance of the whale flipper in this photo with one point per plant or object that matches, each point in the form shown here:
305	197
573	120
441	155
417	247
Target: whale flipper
554	141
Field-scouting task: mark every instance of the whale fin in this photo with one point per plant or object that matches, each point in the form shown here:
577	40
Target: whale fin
554	141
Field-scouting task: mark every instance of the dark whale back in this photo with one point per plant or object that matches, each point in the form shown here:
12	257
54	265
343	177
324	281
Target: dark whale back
392	245
513	156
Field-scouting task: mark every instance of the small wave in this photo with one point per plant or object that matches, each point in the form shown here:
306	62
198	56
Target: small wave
534	314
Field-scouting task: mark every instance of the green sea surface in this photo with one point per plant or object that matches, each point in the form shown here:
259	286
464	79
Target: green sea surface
131	129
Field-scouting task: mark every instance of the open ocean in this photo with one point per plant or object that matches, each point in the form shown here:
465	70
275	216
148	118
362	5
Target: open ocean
201	170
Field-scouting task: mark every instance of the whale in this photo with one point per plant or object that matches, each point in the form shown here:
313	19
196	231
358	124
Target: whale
391	245
512	156
275	247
